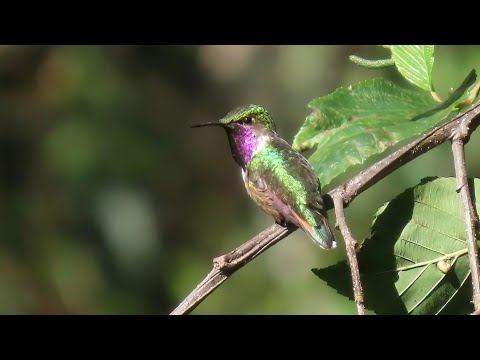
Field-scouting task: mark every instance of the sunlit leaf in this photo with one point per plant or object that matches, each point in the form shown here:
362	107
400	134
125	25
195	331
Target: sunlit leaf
415	63
352	124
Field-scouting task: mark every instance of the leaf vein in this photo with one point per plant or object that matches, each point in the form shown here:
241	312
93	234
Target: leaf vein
455	292
423	246
439	232
431	289
415	279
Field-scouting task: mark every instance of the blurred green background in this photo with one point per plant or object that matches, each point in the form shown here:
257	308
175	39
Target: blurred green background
111	204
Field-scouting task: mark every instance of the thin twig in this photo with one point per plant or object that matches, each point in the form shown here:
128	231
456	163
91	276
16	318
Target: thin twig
224	266
468	209
351	246
349	191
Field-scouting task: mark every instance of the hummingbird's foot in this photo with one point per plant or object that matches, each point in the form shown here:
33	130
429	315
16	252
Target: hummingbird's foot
283	223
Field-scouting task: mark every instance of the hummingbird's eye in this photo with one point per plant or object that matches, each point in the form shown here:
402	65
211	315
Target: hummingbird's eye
248	120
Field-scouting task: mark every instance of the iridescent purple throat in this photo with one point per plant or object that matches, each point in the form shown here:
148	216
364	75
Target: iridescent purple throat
243	143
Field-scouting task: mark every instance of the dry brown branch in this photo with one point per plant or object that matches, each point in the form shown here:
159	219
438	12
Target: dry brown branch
468	209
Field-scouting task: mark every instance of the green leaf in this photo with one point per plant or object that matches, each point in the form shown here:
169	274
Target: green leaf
415	63
404	266
353	124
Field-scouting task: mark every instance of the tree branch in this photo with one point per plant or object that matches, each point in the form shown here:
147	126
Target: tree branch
468	209
224	266
351	246
348	191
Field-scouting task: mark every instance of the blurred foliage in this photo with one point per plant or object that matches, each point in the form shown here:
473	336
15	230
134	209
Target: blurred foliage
110	203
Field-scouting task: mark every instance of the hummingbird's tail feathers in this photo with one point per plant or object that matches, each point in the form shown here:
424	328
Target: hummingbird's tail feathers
321	234
324	235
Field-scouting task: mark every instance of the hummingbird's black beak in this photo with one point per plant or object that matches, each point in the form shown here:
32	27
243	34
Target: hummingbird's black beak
208	124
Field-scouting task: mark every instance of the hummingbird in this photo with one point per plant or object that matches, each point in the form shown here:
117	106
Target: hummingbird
278	179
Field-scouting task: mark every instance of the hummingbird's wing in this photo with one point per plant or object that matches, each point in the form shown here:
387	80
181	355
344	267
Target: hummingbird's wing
282	178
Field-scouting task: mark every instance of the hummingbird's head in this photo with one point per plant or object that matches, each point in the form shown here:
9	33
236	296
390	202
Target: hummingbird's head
255	116
251	116
248	128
